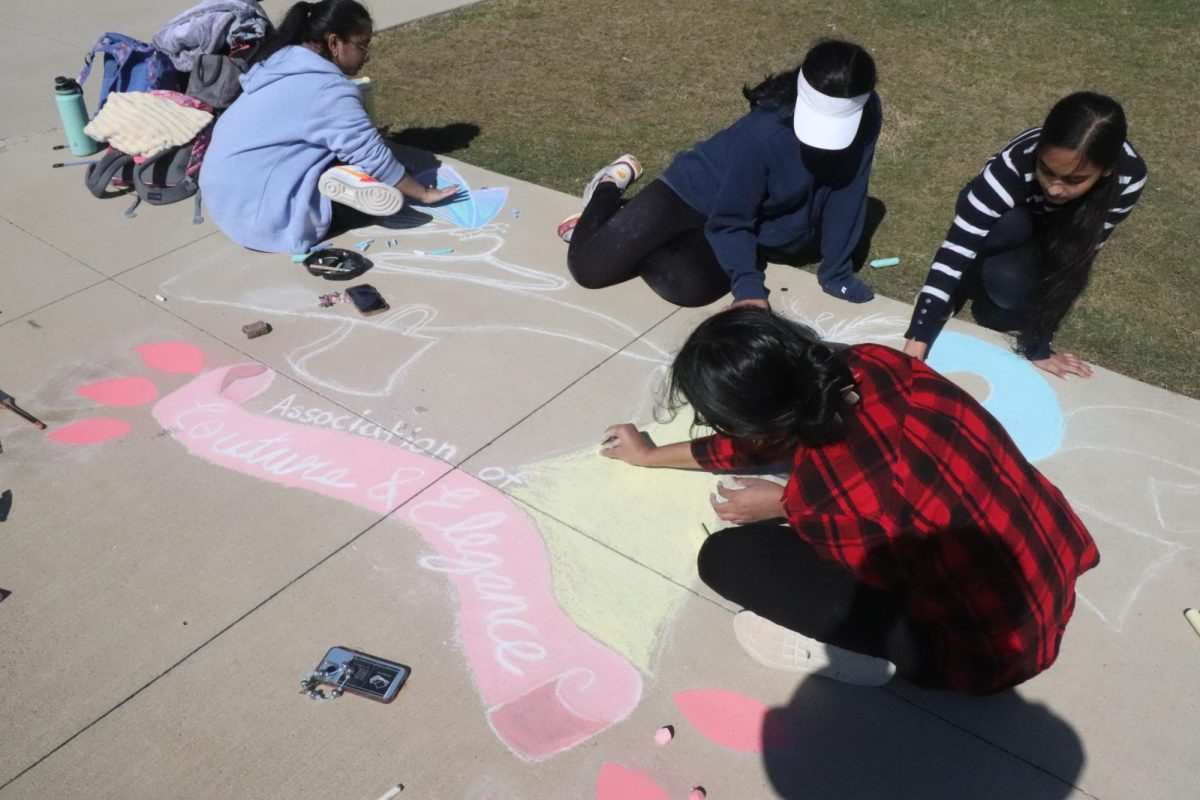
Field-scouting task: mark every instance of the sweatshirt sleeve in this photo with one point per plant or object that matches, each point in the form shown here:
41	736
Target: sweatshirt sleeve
846	209
732	225
337	119
1000	186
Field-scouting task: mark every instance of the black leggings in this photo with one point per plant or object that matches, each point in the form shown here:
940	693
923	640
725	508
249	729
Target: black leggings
656	236
1001	284
766	568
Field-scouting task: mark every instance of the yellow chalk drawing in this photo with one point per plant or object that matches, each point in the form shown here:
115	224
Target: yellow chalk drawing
652	516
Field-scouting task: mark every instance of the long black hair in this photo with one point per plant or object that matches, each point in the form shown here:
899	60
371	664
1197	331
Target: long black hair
310	23
1092	125
767	381
831	66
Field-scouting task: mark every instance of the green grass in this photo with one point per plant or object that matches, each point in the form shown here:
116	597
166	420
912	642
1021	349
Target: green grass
558	87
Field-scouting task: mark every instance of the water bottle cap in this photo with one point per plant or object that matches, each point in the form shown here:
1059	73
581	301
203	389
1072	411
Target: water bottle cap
63	84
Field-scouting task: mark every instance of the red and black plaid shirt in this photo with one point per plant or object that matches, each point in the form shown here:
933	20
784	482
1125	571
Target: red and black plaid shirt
928	496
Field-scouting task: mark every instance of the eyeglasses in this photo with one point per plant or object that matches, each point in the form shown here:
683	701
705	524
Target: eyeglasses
364	49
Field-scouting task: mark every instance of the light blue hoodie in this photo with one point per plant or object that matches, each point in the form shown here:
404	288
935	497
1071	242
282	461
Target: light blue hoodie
297	116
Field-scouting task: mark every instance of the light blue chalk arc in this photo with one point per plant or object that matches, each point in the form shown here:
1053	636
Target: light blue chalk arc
1021	399
476	208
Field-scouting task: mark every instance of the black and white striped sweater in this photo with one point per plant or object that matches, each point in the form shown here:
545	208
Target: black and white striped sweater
1006	181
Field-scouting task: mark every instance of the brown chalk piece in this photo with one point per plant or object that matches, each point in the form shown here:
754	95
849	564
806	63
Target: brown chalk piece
11	405
256	329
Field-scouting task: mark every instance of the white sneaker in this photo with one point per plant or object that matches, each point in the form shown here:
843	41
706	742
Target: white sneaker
353	187
623	171
779	648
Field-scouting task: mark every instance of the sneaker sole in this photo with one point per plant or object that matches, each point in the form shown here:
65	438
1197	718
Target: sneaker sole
635	170
378	200
566	228
777	647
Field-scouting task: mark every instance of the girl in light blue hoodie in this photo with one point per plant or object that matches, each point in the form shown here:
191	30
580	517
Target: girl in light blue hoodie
277	154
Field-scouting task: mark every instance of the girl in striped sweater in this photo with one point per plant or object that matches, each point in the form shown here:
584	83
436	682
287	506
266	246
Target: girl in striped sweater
1028	227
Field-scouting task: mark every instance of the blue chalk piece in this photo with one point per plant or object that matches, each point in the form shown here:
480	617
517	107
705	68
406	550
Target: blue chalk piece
445	251
364	244
298	258
885	262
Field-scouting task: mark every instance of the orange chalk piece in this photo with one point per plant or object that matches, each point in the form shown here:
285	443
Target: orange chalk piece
664	734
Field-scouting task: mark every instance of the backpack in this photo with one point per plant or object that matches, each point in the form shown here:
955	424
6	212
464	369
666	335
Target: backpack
130	66
168	177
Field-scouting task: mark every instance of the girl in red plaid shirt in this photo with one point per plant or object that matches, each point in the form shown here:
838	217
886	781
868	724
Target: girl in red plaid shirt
911	536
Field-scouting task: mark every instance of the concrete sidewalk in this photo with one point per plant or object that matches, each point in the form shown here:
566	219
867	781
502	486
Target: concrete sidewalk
206	515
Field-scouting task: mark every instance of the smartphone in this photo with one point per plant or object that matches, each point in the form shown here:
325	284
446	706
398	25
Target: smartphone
367	299
366	675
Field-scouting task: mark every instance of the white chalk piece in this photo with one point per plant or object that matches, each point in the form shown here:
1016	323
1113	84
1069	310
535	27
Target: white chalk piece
664	734
392	792
160	298
697	794
1193	616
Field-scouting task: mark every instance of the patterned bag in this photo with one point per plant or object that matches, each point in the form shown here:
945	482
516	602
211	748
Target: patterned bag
130	66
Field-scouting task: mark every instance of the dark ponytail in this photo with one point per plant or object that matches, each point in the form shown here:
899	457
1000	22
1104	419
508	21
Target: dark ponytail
762	379
310	23
1094	126
831	66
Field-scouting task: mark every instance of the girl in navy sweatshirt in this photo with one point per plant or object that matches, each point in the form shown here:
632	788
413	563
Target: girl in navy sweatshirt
790	174
1028	227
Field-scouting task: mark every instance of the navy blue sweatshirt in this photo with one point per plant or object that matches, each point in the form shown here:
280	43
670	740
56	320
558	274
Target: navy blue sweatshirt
758	185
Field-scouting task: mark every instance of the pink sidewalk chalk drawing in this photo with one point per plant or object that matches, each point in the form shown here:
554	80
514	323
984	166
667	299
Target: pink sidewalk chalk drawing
546	684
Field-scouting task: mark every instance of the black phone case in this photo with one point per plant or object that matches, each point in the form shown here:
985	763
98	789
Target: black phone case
367	299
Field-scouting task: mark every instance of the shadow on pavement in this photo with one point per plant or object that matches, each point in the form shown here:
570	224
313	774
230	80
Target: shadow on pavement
844	744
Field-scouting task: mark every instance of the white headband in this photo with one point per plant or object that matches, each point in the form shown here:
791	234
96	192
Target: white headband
819	120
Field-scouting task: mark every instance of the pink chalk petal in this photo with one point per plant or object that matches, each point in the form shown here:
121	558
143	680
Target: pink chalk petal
93	430
618	783
179	358
120	392
732	720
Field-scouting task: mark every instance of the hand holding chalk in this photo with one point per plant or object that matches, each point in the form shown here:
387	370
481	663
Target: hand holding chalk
624	442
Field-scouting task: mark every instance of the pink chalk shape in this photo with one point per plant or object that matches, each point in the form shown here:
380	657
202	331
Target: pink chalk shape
732	720
120	392
92	430
618	783
539	723
546	684
179	358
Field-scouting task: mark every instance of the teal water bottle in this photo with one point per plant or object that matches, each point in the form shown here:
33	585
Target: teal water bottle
73	112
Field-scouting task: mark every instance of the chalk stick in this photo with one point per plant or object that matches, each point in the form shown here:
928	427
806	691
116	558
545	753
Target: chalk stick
1193	616
392	792
298	258
885	262
664	734
697	794
445	251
